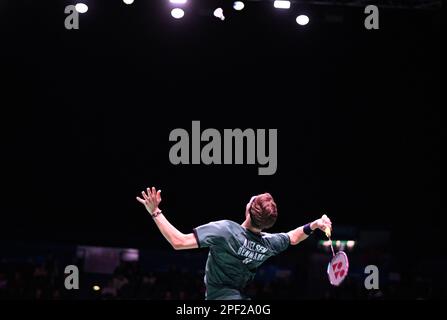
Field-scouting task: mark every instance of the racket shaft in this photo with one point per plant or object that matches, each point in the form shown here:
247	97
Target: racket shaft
332	247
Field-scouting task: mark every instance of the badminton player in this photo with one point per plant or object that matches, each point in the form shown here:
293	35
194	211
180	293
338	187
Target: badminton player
235	250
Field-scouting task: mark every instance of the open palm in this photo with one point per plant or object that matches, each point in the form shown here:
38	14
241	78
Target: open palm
151	199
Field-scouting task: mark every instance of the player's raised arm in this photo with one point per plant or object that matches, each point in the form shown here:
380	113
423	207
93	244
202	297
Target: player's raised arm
151	199
301	233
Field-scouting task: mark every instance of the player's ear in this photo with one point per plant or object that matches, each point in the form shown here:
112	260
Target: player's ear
247	214
247	207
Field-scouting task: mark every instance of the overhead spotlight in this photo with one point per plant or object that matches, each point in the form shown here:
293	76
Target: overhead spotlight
177	13
128	1
178	1
96	288
281	4
218	13
302	20
81	7
350	244
238	5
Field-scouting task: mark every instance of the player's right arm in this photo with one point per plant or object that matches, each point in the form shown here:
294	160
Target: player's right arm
297	235
177	239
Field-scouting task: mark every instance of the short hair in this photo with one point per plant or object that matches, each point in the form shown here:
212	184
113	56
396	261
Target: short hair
263	211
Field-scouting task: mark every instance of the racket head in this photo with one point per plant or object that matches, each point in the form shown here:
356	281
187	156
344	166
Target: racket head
338	268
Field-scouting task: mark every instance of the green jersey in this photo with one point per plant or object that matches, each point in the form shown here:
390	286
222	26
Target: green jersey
235	254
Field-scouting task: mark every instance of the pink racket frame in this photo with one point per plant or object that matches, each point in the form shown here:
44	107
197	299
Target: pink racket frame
345	257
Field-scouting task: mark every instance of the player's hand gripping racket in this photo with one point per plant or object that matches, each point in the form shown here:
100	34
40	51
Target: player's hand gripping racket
338	267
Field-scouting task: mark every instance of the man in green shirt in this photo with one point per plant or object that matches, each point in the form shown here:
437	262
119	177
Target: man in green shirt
235	250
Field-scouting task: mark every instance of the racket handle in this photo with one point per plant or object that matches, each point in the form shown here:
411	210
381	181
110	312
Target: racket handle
327	231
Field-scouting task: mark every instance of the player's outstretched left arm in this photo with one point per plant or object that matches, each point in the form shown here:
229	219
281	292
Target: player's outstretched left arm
297	235
179	241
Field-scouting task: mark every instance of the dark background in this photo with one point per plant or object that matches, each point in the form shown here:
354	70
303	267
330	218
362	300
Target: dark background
86	115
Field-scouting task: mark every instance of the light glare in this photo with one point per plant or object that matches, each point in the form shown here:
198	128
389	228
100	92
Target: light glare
302	20
238	5
177	13
218	13
281	4
81	7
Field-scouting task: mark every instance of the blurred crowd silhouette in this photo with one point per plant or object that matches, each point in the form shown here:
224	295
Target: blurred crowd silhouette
42	278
